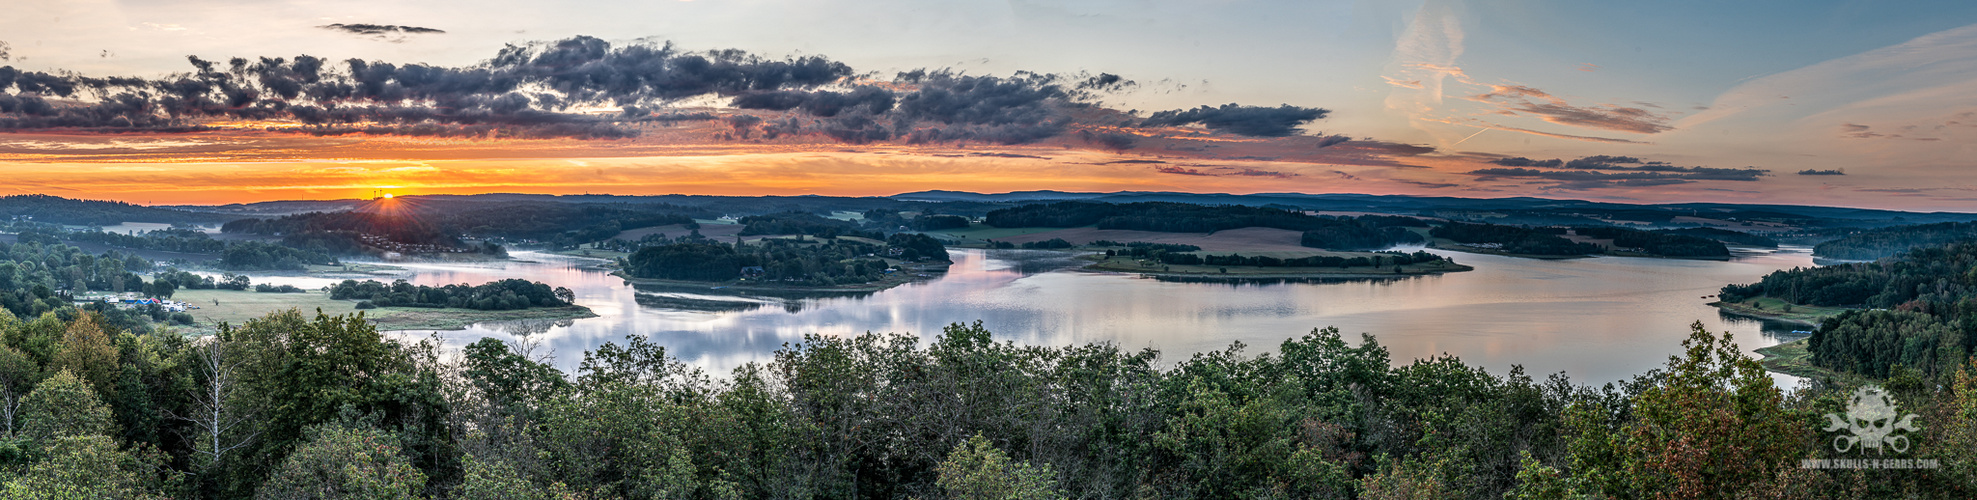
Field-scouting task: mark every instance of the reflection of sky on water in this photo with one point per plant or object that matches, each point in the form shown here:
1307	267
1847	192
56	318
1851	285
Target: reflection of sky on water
1598	320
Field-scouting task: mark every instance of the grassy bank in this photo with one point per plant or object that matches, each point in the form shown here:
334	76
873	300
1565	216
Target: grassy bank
236	307
1792	358
1778	310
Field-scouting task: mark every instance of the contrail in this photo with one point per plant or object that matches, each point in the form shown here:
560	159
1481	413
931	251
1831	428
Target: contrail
1473	136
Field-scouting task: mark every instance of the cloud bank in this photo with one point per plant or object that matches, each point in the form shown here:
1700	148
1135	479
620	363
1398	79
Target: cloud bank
555	89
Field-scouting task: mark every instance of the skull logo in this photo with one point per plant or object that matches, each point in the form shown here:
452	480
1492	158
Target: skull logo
1872	419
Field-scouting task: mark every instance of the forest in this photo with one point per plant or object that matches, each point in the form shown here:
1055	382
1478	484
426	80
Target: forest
1517	240
500	295
439	224
801	223
1875	244
292	406
59	210
1725	236
818	262
1656	242
169	240
1921	310
884	219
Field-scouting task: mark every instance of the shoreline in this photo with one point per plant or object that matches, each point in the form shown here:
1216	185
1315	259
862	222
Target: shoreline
448	319
1791	358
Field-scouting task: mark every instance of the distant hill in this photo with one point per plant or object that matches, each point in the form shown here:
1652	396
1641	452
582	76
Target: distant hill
1518	210
1890	241
59	210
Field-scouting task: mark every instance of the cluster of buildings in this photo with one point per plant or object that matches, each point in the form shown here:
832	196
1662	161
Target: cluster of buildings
130	300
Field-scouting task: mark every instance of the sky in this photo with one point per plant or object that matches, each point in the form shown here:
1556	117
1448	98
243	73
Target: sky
1843	103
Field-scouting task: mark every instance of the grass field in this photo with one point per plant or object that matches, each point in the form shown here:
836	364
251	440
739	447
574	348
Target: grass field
1770	308
236	307
1791	358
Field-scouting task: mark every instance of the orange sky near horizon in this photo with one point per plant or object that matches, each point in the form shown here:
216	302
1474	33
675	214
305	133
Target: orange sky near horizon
216	168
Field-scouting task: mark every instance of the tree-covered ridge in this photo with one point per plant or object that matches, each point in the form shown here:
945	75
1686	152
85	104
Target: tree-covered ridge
59	210
1656	242
491	296
397	228
169	240
1923	310
559	224
1366	233
1886	242
1514	239
821	262
799	223
287	404
439	224
1725	236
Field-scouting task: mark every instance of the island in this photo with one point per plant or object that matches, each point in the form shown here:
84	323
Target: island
799	263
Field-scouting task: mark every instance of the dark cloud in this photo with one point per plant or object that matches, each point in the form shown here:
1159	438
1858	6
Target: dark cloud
1257	121
380	29
1106	82
1179	170
1857	131
358	96
1808	171
1522	99
1611	171
534	90
1223	172
6	53
1429	185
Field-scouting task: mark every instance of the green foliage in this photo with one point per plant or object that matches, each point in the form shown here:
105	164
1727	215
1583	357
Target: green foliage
485	480
1886	242
812	262
494	295
55	209
1725	236
64	406
1657	242
302	373
976	469
1514	239
86	352
915	246
798	223
88	467
1873	342
336	462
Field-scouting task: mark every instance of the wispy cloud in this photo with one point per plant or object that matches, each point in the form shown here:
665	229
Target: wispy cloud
1551	108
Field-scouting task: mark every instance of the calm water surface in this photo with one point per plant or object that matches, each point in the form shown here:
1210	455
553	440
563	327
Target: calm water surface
1598	320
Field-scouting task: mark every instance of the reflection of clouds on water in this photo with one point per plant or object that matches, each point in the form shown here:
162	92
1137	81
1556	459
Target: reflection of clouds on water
1599	320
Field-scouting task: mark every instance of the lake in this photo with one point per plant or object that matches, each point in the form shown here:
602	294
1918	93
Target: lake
1597	319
